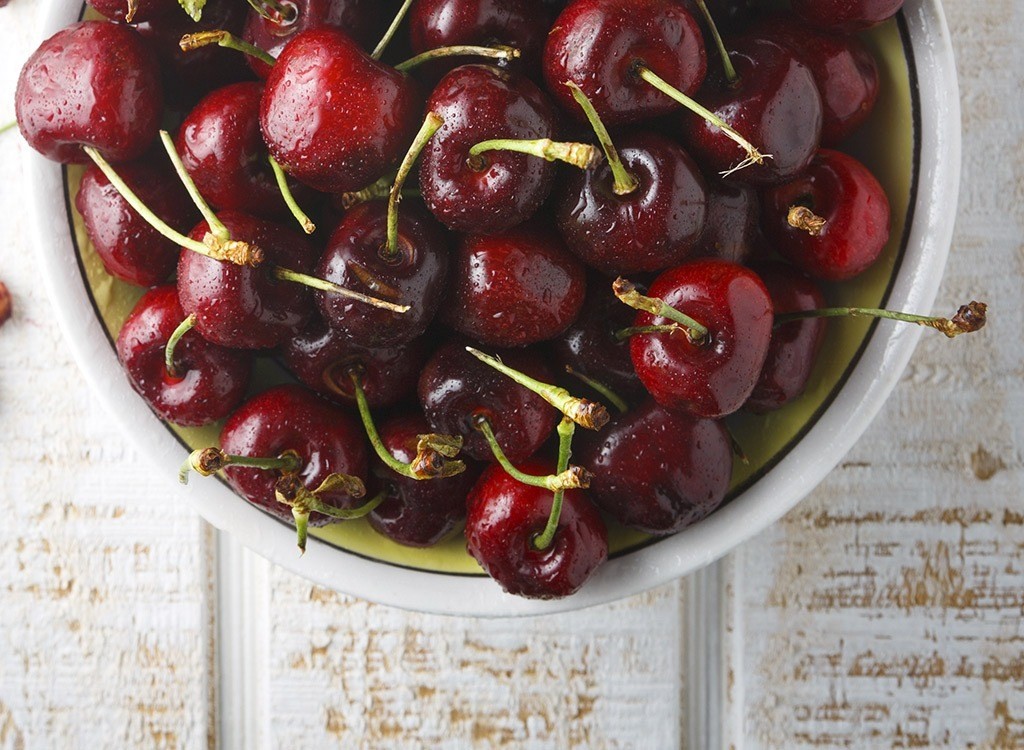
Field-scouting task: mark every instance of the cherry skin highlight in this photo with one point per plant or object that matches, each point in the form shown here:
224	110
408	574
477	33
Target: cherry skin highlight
733	222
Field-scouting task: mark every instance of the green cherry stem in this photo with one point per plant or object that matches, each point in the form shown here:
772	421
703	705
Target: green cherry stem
573	477
278	12
287	274
626	291
290	490
753	156
207	461
581	155
183	327
430	125
611	396
625	333
566	428
8	126
588	414
969	318
217	227
623	182
395	23
379	189
497	52
226	39
289	199
730	71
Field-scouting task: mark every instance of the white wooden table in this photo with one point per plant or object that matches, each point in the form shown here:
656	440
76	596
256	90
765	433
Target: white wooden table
887	610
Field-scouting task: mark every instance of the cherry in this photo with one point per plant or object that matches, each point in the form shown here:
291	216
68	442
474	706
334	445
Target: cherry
242	306
455	389
599	44
129	247
843	67
207	382
332	116
832	221
774	102
320	357
794	347
414	274
223	150
733	222
658	471
709	373
134	11
653	226
846	15
91	84
504	518
514	289
273	29
731	16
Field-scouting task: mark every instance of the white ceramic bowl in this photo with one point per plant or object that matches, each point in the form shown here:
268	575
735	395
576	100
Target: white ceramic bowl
868	382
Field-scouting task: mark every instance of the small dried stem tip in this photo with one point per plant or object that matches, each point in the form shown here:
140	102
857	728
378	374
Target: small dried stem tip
801	217
133	8
283	14
5	303
290	490
611	396
969	318
225	39
626	291
233	251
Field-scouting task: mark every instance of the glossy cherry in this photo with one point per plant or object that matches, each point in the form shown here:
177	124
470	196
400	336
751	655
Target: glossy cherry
656	470
846	15
793	351
598	44
505	516
775	104
733	222
730	16
655	226
333	117
140	10
93	83
455	388
289	418
416	513
129	247
843	193
714	376
209	381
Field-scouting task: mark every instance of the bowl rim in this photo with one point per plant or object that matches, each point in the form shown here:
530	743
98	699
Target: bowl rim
884	356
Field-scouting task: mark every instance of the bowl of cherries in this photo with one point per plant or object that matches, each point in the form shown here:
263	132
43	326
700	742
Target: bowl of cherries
493	308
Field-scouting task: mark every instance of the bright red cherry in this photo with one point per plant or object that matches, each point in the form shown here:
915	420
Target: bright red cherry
208	380
846	225
96	84
733	222
846	15
505	516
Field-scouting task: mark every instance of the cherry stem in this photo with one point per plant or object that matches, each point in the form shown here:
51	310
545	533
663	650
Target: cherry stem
226	39
626	333
300	513
386	39
208	461
573	477
969	318
498	52
611	396
581	155
430	125
624	183
626	291
432	450
801	217
183	327
133	8
737	448
753	155
287	274
286	192
565	429
239	253
290	490
217	227
379	189
730	72
8	126
588	414
283	14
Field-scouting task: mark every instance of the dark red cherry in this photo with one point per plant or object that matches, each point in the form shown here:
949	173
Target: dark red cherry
223	150
730	16
360	19
145	10
504	516
455	388
515	288
333	117
321	357
733	222
793	351
846	15
855	209
843	67
129	247
95	84
713	377
289	418
209	380
241	306
498	189
775	105
417	513
655	470
598	44
655	226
